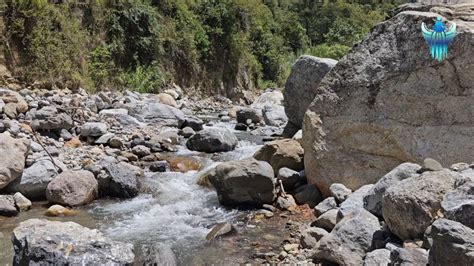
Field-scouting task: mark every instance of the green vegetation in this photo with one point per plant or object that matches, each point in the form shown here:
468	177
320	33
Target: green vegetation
146	44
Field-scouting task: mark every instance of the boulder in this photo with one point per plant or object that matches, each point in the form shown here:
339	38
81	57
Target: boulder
7	206
453	244
268	98
308	194
290	178
324	206
411	256
120	115
193	122
373	199
458	205
354	201
388	88
245	182
121	180
35	179
411	205
301	86
274	115
45	242
212	140
378	257
93	129
310	237
326	220
73	188
12	158
246	113
282	153
48	118
159	114
14	103
350	239
21	202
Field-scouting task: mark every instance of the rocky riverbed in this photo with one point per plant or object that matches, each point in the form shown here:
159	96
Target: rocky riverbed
381	173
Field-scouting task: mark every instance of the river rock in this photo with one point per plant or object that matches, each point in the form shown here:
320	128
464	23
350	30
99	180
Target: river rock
121	180
378	257
93	129
275	115
12	158
458	205
286	202
59	211
159	114
120	115
289	178
301	86
252	114
412	256
21	202
411	205
268	98
310	237
14	103
220	230
167	99
66	243
453	244
350	239
326	220
193	122
244	182
141	151
282	153
373	199
73	188
339	192
7	206
431	165
325	205
212	140
35	179
388	88
48	118
160	254
309	194
354	201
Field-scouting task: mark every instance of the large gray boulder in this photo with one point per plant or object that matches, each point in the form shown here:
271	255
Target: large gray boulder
252	114
212	140
12	158
458	205
158	113
121	180
244	182
301	86
411	205
274	115
73	188
43	242
120	115
387	102
48	118
350	240
354	202
373	199
94	129
453	244
282	153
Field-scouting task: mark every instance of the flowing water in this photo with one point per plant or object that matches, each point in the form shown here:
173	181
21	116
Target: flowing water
176	212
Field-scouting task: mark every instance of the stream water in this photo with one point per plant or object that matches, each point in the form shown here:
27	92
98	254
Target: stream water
176	212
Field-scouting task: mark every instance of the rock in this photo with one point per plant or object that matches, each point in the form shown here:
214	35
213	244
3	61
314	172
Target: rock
453	244
458	205
141	151
219	230
93	129
21	202
458	167
326	220
378	257
122	180
301	86
339	192
354	201
14	103
289	178
160	166
274	115
36	178
385	89
268	98
160	114
286	202
244	182
282	153
184	164
159	254
245	113
241	127
59	211
193	122
212	140
73	188
187	132
431	165
167	99
65	135
115	142
350	239
308	194
66	243
324	206
7	206
48	118
104	139
403	256
12	158
373	199
412	204
310	237
120	115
